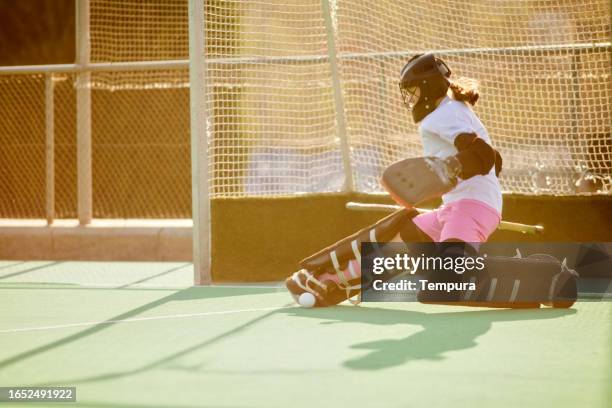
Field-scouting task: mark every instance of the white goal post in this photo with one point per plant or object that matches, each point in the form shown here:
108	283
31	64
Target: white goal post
199	145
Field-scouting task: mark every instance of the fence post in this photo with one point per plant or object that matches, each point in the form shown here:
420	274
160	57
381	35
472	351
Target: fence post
83	114
49	150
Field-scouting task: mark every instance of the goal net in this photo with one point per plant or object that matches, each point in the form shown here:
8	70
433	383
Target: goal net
543	70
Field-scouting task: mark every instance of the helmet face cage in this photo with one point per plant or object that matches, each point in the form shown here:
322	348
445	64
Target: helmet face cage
444	69
410	95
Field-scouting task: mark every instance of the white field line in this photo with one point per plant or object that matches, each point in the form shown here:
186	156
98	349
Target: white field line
162	286
142	319
248	286
594	295
279	286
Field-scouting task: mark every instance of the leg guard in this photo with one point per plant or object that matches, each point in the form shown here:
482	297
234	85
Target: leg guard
518	283
345	255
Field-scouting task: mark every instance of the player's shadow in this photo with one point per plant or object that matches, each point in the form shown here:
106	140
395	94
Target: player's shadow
442	332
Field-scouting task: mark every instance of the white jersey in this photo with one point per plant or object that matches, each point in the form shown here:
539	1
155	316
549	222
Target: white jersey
438	131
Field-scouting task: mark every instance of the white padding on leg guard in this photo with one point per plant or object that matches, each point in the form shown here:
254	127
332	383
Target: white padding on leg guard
308	278
352	270
553	287
515	290
356	251
334	259
492	289
374	240
468	293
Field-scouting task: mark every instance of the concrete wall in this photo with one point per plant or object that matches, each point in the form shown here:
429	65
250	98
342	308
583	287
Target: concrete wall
125	240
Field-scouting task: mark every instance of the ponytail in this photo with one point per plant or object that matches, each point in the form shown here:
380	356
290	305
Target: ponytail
469	95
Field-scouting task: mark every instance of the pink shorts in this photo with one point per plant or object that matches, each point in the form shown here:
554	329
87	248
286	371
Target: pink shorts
467	220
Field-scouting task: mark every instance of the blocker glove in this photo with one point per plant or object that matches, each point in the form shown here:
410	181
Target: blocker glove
412	181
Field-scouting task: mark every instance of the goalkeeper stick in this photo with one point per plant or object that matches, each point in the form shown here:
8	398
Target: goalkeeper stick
503	225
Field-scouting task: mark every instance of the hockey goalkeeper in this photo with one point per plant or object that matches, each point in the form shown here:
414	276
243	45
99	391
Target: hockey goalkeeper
459	165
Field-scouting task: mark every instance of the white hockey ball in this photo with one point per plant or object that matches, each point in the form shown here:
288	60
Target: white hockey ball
307	299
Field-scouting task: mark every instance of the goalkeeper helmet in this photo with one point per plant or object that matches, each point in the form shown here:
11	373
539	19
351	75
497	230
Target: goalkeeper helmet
422	81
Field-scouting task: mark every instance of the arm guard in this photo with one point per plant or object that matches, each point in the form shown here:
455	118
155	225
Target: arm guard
476	156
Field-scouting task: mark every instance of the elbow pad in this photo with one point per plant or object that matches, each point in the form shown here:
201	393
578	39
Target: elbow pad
475	155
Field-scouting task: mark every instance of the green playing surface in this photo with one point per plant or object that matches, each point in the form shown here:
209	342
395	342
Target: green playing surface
146	339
